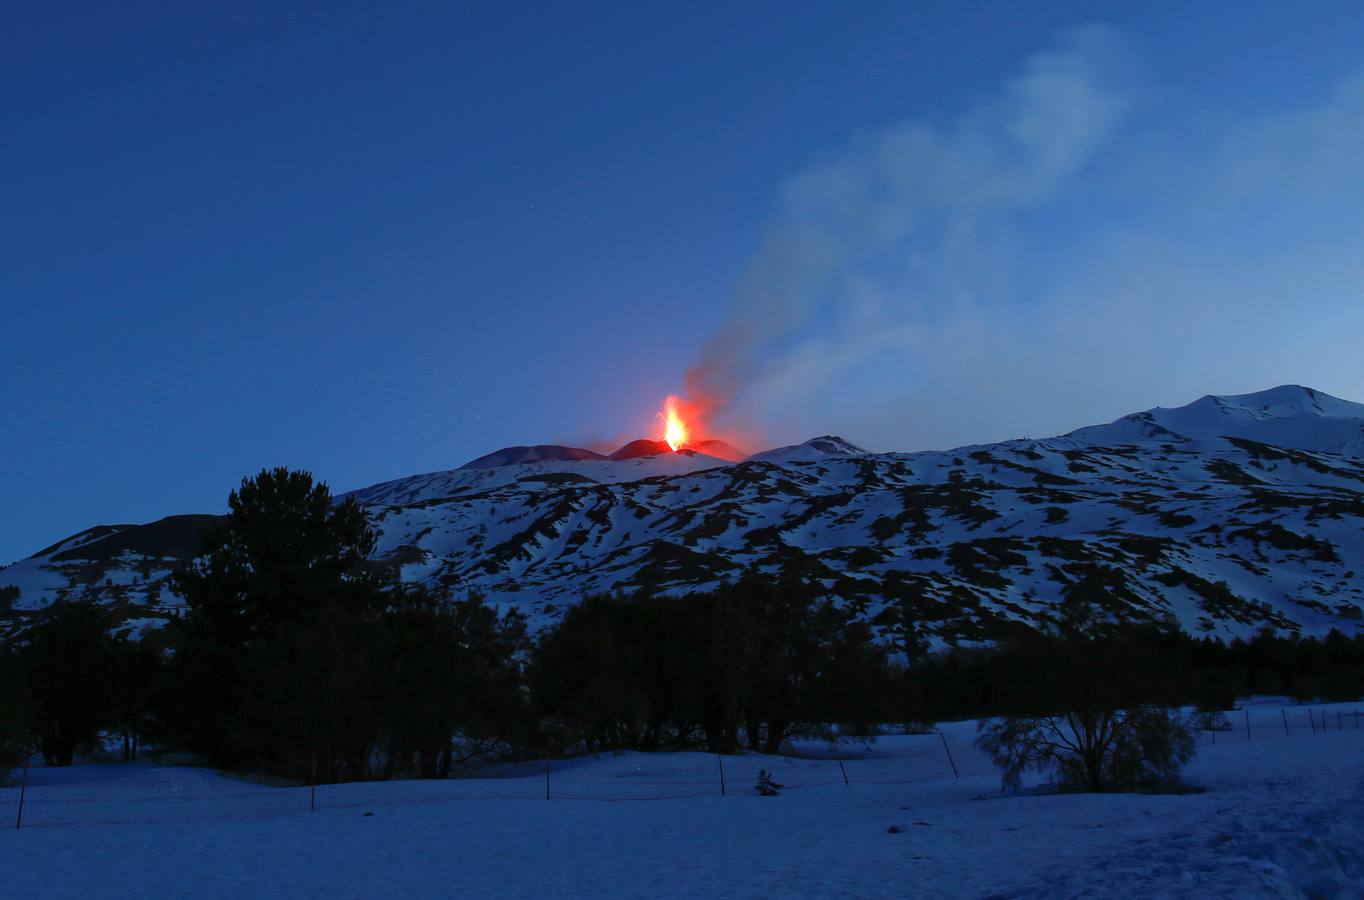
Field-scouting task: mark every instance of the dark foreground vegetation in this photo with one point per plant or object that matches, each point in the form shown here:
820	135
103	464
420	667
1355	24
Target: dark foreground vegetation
299	657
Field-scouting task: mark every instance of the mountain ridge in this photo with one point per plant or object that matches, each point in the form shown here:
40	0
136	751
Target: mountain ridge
1225	514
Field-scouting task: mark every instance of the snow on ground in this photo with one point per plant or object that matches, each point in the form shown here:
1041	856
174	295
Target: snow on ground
1279	816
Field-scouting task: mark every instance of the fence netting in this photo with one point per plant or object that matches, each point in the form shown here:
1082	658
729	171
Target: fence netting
148	793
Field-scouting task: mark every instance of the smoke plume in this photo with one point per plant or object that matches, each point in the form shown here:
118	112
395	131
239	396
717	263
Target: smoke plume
1051	256
917	186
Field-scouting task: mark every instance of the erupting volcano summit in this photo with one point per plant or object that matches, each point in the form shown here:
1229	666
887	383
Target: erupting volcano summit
675	433
682	424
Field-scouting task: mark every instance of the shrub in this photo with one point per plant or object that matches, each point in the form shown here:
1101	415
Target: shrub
1143	747
1210	720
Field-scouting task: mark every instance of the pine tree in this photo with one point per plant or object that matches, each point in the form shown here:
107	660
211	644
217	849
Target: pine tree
285	552
68	665
280	607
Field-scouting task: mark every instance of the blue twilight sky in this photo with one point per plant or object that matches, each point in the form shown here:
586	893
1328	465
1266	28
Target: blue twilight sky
373	240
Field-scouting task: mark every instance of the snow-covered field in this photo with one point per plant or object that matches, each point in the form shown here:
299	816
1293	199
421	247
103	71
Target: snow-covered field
1278	816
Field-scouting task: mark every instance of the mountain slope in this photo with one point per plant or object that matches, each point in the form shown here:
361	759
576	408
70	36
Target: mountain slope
1230	514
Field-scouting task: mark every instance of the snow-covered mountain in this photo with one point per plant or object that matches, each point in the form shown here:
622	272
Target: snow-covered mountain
813	449
1288	416
1229	514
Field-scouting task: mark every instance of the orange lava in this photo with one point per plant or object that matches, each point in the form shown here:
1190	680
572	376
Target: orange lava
675	432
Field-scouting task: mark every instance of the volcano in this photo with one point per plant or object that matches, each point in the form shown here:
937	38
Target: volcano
526	454
711	447
1229	515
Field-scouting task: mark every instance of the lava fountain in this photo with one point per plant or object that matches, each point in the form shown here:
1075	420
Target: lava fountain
675	433
684	426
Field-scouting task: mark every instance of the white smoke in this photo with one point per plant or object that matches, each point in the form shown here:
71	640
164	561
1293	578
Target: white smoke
1050	258
919	188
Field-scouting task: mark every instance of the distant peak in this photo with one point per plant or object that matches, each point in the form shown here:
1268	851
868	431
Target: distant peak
833	444
719	449
1287	401
814	448
640	447
1289	415
522	455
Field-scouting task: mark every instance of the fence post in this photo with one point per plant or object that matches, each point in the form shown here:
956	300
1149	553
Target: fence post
955	773
1247	724
721	760
1285	723
1311	720
23	789
546	776
838	756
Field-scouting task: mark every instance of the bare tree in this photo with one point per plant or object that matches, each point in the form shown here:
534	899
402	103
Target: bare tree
1095	750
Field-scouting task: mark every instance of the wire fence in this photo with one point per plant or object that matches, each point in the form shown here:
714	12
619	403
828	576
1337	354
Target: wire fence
1260	722
115	794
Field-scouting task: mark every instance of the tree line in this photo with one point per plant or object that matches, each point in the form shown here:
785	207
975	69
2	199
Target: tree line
299	656
1143	663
